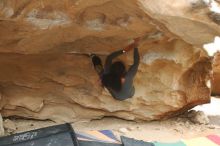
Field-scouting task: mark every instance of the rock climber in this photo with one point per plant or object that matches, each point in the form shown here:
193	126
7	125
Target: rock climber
114	76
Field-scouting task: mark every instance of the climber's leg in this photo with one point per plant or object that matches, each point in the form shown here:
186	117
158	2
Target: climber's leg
97	64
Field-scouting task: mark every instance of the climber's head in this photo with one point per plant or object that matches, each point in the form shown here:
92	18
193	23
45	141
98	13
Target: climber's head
118	68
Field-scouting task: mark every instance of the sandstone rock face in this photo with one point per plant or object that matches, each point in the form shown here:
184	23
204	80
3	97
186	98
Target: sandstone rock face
2	131
44	74
194	21
216	74
9	126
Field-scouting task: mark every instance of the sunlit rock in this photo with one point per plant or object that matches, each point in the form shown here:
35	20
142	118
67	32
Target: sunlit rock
45	74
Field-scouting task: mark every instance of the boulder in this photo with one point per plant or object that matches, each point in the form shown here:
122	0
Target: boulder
198	117
45	73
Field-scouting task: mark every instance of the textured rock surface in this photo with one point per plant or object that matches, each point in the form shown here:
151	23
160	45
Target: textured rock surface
216	74
198	117
192	20
9	126
2	131
44	76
